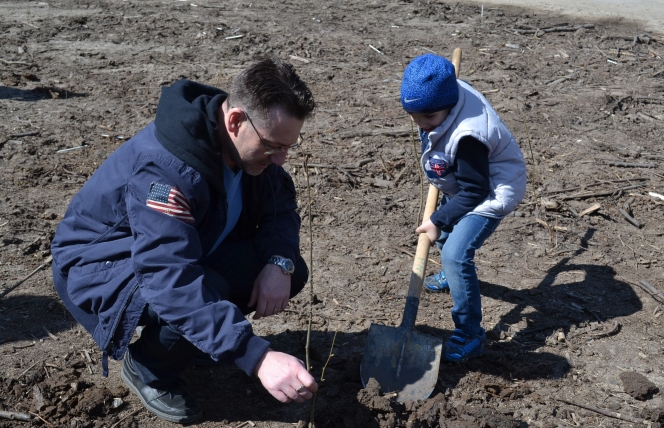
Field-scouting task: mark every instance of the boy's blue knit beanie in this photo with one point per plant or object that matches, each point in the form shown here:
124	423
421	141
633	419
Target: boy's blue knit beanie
429	85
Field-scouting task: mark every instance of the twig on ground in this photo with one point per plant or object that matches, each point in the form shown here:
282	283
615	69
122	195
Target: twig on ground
648	288
299	58
636	260
562	79
598	183
650	98
14	415
13	287
629	218
343	306
26	370
51	335
388	132
413	255
387	171
590	209
614	330
606	412
42	419
633	165
599	194
126	416
72	148
376	49
25	134
14	62
23	346
551	228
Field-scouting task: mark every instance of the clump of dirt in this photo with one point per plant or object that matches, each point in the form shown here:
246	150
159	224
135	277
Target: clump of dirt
381	411
638	386
60	395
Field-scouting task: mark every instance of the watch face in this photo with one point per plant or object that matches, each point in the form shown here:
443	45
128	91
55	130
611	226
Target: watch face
285	264
288	265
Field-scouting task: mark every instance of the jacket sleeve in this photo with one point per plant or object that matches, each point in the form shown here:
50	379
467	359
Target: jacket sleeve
166	254
279	224
471	171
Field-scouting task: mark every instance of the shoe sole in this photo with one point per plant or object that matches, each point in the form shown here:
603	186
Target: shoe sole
164	416
465	359
436	289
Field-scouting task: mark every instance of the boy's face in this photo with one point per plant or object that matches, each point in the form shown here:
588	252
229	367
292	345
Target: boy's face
429	121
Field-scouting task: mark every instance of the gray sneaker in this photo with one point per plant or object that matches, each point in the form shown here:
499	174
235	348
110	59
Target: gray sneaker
436	283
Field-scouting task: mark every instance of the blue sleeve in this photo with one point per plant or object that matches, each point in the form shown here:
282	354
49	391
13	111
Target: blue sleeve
166	254
471	166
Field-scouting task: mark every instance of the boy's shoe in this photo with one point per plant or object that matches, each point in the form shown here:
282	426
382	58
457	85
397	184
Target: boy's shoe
436	283
461	346
173	403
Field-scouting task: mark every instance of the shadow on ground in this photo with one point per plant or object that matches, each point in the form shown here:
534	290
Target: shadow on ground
28	317
36	94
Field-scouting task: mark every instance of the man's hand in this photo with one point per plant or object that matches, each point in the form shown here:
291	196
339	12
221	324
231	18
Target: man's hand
285	377
271	292
432	231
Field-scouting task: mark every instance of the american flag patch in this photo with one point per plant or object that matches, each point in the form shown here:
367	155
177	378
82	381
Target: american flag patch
169	200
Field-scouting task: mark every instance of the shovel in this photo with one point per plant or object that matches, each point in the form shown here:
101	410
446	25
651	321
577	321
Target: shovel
403	360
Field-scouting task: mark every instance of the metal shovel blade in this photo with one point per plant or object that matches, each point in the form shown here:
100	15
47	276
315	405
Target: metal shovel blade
402	360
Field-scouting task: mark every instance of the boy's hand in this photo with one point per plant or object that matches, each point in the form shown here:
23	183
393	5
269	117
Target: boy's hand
432	231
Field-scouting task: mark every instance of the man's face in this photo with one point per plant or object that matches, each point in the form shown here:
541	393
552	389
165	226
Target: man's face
250	137
429	121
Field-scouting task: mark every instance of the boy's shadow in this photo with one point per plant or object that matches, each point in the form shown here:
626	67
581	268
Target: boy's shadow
578	300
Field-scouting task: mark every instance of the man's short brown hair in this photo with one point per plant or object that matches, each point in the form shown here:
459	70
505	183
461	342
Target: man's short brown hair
268	83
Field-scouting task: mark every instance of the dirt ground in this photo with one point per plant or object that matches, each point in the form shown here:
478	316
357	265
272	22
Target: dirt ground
575	338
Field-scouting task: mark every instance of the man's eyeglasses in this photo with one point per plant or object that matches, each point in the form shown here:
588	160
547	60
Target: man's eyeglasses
272	148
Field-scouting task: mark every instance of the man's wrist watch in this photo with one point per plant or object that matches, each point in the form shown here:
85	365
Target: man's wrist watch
285	264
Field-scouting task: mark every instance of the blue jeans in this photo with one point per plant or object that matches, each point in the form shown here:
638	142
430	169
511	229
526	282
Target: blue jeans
457	251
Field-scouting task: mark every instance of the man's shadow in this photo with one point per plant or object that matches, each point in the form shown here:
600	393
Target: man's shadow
229	396
19	322
572	304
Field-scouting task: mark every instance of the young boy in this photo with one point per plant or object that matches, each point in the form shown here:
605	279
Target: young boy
468	154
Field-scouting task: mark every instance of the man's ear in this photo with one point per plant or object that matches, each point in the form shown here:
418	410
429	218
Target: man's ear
233	119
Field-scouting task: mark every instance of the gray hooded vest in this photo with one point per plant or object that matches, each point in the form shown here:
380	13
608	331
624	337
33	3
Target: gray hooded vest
473	116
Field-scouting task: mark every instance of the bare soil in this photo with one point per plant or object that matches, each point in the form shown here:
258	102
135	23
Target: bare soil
574	338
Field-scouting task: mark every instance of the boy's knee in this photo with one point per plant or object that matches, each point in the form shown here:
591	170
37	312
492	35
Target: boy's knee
452	258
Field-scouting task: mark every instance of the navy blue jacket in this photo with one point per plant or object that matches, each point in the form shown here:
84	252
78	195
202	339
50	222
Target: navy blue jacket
113	254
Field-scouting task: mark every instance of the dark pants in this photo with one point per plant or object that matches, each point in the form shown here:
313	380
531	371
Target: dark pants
161	353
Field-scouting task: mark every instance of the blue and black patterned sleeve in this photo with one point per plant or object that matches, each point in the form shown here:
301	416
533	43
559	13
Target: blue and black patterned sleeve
471	166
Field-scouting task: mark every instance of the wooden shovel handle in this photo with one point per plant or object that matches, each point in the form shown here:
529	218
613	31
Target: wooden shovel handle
423	243
456	60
